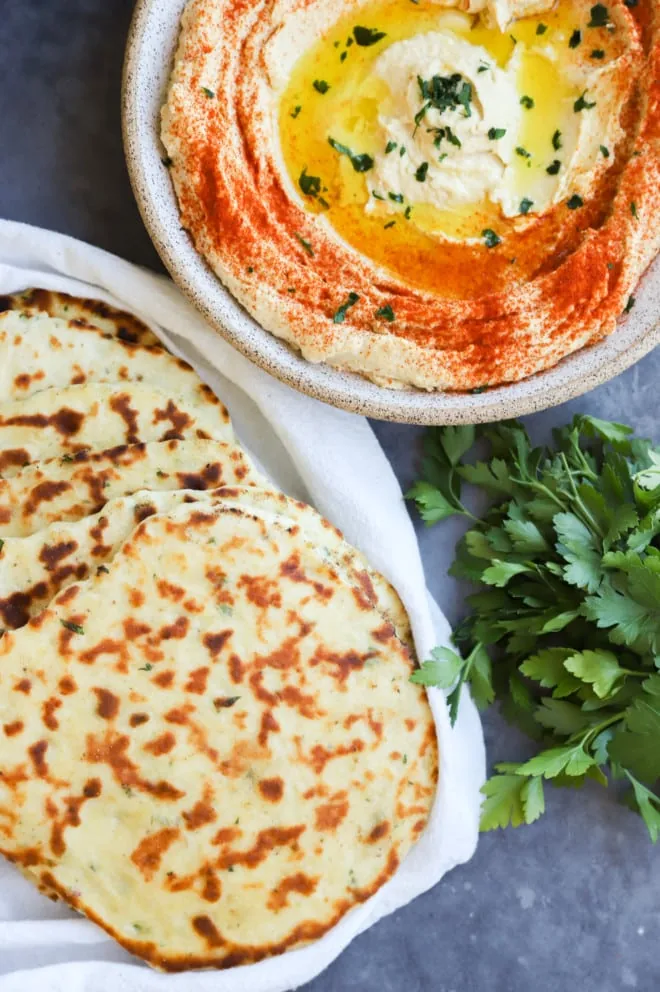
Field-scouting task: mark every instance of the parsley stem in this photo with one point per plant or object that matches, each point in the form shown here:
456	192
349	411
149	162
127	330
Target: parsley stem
588	519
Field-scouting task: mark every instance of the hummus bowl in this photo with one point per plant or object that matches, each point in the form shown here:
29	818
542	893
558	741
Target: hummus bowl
150	56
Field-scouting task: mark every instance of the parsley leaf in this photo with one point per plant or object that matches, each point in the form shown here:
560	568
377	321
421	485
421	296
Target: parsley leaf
361	163
600	17
321	86
340	313
491	239
367	36
494	133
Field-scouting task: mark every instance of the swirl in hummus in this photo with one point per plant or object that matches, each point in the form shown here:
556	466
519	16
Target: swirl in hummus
431	197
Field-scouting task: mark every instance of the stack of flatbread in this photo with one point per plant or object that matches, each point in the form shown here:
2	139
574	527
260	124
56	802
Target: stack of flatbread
209	743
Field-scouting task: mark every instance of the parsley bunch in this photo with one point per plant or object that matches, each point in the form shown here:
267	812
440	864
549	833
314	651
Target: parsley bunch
564	630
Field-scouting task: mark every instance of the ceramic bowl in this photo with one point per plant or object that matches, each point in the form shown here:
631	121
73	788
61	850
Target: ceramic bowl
151	45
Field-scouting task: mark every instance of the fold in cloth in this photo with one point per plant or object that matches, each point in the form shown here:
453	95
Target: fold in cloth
332	460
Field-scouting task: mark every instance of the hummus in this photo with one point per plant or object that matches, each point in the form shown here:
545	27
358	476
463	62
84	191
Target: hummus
431	197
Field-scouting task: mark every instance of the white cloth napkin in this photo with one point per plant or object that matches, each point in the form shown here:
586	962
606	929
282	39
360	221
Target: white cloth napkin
314	452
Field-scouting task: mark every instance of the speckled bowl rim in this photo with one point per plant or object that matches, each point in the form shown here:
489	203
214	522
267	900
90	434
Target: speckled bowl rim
150	48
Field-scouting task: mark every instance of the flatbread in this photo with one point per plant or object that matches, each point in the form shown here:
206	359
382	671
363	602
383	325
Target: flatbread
224	752
55	422
74	308
39	352
34	569
77	485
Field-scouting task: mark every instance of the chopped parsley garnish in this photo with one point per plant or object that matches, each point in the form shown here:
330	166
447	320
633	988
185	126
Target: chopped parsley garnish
541	28
397	197
306	245
75	628
367	36
523	152
483	67
491	240
600	17
376	195
556	141
444	93
582	103
402	151
574	202
310	185
526	205
633	209
340	313
629	305
390	146
495	133
207	92
295	111
389	224
407	212
321	86
386	313
575	39
442	133
526	102
102	569
420	173
513	39
598	53
361	163
554	167
604	151
146	668
343	56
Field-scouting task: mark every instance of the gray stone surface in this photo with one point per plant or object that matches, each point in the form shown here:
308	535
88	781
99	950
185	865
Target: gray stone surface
570	903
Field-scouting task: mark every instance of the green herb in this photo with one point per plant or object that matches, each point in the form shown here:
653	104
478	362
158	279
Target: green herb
556	141
376	195
407	212
541	28
598	53
421	171
444	93
513	39
390	146
321	86
367	36
574	202
483	67
305	244
629	305
207	92
564	628
340	314
75	628
386	313
389	224
102	569
554	167
604	151
491	239
495	133
600	17
442	133
523	152
65	459
526	102
361	163
146	668
526	205
582	103
397	197
575	39
310	185
343	56
633	209
225	702
402	151
296	110
2	544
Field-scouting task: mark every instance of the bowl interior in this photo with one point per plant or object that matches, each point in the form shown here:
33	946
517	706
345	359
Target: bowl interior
151	45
